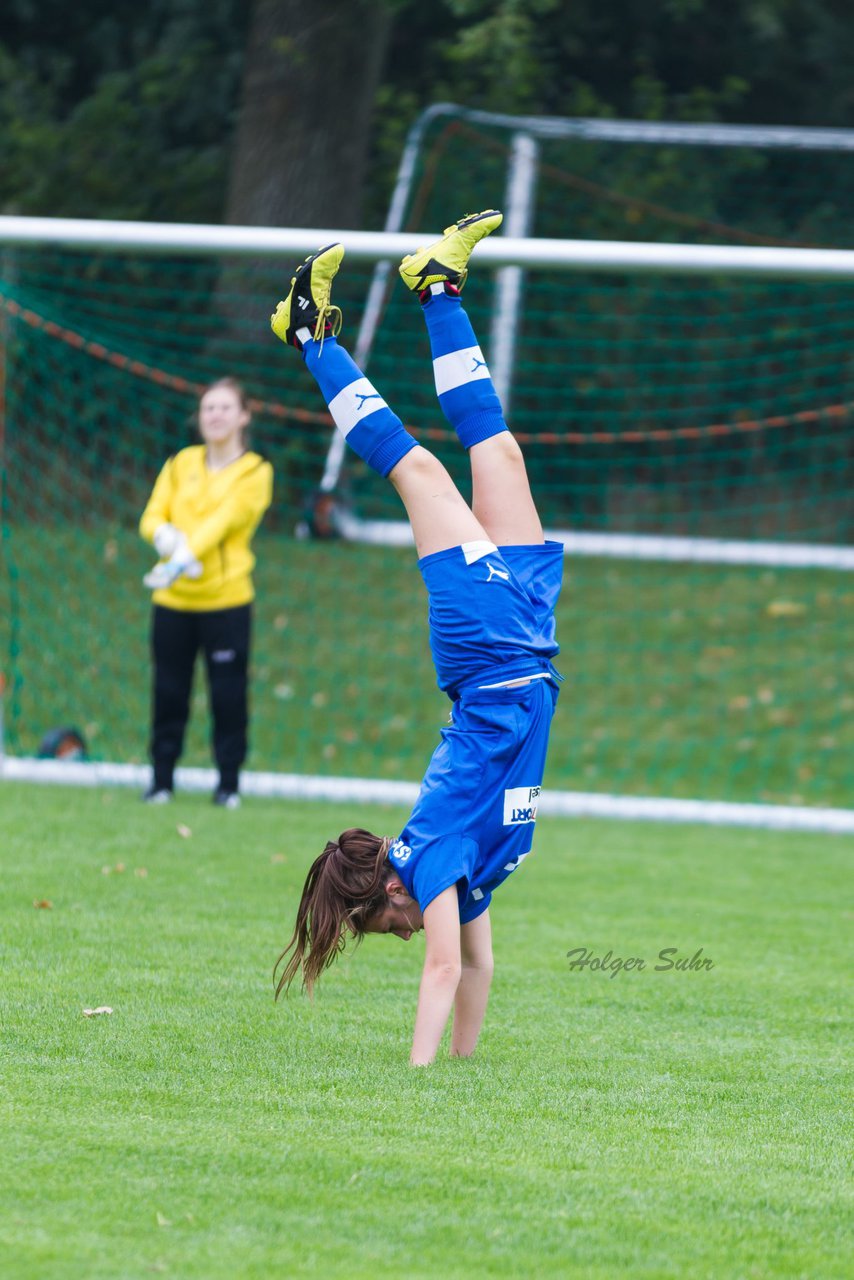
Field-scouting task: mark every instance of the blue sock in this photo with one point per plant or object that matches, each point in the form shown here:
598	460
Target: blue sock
359	411
463	385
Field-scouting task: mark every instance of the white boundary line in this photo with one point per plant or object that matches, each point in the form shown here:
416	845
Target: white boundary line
567	804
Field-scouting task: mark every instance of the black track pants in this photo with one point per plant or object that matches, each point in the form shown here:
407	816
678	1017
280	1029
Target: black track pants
223	636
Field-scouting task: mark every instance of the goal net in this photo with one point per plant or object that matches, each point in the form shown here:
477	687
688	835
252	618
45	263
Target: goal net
689	434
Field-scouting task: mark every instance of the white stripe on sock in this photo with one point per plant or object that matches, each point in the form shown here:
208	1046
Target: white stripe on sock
459	367
354	404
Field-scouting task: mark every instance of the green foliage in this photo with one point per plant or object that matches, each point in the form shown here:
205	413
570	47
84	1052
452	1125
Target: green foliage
116	109
770	60
129	119
497	50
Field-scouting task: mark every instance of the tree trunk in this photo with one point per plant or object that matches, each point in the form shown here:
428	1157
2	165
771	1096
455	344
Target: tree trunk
301	142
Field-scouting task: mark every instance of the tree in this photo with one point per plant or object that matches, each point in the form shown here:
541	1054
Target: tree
309	82
109	108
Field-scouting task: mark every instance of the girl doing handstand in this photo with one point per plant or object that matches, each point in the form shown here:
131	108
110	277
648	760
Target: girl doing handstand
492	583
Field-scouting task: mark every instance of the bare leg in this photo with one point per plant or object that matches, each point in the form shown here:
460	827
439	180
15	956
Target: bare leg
439	515
501	494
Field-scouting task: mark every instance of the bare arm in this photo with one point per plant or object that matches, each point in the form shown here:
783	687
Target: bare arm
440	976
473	989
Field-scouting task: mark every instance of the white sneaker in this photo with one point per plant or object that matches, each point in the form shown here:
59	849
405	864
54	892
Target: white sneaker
155	795
226	799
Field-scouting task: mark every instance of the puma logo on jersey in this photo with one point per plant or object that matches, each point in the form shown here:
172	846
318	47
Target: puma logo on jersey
496	573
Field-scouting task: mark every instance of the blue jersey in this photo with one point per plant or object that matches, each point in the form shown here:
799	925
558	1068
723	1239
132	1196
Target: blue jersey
473	821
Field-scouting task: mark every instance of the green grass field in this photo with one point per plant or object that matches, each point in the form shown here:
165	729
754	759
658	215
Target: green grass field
652	1124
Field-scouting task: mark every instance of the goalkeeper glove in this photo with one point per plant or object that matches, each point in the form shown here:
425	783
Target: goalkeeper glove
166	538
181	562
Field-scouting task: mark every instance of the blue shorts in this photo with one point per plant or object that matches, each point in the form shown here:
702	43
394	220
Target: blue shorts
491	620
492	613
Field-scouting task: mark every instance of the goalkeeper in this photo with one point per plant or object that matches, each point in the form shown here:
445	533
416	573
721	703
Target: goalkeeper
492	583
203	511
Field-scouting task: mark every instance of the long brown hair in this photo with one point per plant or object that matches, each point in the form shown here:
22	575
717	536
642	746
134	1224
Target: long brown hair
343	889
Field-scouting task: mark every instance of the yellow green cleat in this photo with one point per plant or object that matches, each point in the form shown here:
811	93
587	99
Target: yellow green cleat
307	305
447	259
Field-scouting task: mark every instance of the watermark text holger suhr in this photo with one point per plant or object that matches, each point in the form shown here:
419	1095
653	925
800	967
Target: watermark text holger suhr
668	960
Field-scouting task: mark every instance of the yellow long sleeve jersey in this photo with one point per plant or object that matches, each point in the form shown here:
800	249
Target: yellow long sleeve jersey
218	511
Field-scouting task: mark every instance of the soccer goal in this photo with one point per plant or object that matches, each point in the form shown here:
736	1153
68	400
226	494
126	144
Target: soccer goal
685	409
